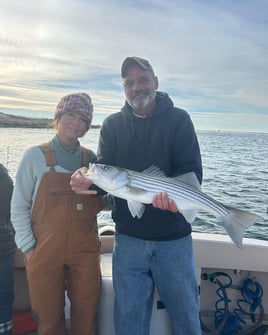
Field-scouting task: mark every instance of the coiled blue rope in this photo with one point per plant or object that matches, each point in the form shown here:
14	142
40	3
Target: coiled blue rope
252	293
231	326
226	322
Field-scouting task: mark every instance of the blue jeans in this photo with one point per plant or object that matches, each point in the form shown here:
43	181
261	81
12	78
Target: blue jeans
139	266
6	294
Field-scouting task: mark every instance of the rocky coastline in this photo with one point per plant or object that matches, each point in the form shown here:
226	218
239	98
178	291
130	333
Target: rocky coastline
15	121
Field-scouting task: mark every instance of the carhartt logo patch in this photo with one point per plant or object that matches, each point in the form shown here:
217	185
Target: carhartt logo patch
79	207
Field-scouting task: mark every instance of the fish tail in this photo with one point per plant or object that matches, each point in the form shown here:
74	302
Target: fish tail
236	222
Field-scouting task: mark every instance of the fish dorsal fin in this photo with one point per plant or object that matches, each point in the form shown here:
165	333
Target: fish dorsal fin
136	208
189	179
154	171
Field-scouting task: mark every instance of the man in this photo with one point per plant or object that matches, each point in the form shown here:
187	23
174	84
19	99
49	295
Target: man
155	250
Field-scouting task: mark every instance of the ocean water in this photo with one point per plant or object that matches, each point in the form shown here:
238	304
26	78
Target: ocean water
235	171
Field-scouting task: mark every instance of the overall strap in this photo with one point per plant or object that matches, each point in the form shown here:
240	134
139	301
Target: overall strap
51	159
85	156
49	155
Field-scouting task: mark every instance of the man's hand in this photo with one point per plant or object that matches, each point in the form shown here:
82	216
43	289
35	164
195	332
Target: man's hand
80	184
162	201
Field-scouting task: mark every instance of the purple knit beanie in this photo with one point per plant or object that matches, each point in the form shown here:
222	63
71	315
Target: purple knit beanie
75	103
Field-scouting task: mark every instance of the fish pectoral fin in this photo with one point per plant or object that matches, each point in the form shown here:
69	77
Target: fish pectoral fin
189	214
136	208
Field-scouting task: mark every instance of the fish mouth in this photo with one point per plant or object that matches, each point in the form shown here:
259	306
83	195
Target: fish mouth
91	169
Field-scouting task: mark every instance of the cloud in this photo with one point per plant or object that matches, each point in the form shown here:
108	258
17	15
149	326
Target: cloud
209	56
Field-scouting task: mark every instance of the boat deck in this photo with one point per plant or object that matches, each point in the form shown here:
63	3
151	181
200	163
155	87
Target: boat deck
212	253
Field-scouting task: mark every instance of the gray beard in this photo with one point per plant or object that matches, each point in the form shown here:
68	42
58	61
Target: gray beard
142	104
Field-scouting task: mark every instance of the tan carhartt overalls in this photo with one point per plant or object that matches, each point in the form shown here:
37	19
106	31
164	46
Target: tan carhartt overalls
66	255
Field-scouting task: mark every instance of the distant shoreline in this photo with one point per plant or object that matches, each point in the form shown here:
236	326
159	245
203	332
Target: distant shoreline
15	121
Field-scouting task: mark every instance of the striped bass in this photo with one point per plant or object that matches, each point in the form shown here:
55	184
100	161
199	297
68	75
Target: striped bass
139	188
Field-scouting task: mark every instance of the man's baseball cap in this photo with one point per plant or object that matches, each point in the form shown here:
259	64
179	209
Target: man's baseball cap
143	63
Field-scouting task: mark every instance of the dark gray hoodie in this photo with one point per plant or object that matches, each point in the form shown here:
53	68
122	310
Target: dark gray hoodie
166	139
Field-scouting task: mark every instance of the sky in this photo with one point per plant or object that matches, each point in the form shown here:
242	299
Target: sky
211	57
